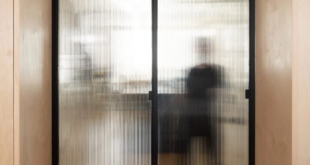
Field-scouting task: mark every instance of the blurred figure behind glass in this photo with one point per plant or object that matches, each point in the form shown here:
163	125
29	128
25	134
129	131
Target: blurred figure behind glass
200	116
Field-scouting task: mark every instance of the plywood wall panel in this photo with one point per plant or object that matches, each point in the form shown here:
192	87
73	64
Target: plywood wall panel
273	82
35	82
16	85
301	81
6	82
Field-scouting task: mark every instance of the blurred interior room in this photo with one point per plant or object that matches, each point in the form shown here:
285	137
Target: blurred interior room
105	75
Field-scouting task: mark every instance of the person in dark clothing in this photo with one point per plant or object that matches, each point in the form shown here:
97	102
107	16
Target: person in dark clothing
199	118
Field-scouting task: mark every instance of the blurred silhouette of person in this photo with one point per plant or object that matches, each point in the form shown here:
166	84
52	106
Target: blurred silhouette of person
200	117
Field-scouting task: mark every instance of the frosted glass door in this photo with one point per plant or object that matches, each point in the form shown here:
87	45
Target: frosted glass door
104	79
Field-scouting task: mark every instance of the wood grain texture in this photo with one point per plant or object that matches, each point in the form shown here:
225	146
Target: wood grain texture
274	82
16	85
35	82
301	81
6	82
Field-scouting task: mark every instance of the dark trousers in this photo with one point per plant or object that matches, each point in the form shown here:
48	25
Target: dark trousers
200	121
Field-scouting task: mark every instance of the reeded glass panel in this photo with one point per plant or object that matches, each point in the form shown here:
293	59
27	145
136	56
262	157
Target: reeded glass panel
203	72
104	79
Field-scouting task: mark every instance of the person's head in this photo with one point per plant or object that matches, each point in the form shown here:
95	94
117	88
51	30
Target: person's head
203	46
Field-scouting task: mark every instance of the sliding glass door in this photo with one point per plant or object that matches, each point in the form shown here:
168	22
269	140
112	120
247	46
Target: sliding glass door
104	79
144	82
203	72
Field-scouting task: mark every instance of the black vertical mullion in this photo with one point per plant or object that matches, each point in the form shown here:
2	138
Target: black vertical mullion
55	88
154	117
252	84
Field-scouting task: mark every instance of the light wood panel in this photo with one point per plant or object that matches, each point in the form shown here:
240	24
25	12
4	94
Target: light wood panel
6	82
295	86
16	85
273	82
35	82
301	82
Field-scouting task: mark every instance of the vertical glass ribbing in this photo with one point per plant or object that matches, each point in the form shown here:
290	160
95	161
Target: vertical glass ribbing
203	72
105	74
104	79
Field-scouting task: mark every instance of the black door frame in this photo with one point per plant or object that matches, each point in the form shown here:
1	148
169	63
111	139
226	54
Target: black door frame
154	122
55	88
252	83
154	116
